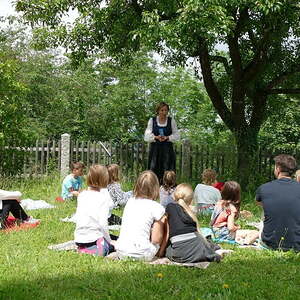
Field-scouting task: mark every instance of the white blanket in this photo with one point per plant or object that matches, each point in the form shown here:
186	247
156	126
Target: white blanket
29	204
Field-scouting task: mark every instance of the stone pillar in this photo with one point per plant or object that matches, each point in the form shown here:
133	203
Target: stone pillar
65	155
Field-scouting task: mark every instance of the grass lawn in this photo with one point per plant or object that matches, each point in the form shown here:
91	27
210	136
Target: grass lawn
28	270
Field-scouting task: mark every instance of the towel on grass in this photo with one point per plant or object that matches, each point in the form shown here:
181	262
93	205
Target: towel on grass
166	261
29	204
66	246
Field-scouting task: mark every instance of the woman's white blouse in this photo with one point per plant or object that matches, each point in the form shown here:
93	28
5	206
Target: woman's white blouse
149	136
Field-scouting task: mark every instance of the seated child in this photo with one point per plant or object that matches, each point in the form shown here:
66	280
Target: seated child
186	244
206	196
72	184
10	203
119	197
93	209
143	221
167	189
226	212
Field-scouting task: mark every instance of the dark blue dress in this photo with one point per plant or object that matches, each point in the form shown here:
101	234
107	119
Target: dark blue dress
161	154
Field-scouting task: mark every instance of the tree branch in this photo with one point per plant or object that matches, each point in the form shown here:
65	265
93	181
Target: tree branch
282	77
260	57
211	87
233	42
223	60
283	91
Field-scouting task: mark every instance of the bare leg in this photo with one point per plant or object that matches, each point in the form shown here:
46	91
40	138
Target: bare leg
246	237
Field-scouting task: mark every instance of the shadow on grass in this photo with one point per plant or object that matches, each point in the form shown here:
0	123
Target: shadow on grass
255	277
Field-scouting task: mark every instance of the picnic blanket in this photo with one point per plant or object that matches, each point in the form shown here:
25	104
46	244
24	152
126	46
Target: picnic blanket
71	246
66	246
165	261
29	204
12	225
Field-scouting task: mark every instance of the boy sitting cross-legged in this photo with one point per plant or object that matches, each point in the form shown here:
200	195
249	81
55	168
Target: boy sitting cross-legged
72	183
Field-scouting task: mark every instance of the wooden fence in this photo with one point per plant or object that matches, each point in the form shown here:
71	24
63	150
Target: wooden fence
47	156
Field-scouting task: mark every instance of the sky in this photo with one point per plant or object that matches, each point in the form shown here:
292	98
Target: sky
6	8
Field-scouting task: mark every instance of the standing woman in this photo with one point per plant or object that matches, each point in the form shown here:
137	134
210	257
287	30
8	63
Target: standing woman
161	132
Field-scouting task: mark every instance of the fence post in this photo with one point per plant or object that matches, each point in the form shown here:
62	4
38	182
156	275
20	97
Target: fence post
65	154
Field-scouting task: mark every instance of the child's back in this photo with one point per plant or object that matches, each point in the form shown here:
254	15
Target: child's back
93	209
186	244
142	222
138	218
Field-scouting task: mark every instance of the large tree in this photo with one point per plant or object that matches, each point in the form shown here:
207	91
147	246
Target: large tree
259	41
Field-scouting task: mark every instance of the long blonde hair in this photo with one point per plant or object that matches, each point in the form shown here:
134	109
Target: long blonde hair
183	195
147	186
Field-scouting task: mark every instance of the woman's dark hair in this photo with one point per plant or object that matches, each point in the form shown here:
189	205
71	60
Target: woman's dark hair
161	105
232	192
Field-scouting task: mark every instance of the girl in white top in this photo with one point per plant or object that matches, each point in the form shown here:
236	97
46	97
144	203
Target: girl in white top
93	209
143	221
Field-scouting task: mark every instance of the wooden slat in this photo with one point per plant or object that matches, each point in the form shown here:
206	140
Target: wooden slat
82	152
47	156
59	154
88	154
42	157
36	157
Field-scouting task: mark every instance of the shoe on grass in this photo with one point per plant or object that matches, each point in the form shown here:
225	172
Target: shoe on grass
31	220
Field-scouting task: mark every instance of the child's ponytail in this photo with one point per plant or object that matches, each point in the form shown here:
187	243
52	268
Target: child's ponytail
183	195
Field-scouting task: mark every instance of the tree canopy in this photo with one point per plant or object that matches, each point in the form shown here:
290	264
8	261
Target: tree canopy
260	39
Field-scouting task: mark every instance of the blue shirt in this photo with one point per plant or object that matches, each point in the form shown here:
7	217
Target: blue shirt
71	184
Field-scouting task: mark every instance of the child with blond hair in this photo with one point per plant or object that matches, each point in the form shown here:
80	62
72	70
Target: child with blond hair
186	244
143	221
119	197
93	209
167	189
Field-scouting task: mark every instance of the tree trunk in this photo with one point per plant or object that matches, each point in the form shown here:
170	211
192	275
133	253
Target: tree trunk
247	151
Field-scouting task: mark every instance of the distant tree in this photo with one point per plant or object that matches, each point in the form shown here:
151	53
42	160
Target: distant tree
262	38
12	93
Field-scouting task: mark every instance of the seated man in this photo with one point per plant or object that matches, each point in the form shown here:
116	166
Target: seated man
280	200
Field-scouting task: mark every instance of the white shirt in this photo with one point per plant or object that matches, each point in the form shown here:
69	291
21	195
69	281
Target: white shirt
93	209
7	195
206	194
149	136
138	218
